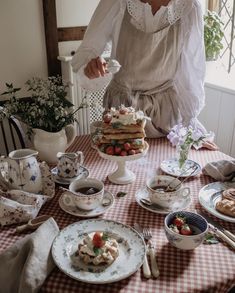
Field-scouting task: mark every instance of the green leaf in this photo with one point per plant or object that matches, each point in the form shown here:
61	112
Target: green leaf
210	238
97	250
105	236
121	194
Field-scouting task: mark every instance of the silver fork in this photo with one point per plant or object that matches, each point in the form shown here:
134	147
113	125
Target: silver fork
146	269
148	235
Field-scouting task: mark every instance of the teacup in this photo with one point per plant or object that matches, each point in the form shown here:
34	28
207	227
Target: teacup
166	197
69	163
86	194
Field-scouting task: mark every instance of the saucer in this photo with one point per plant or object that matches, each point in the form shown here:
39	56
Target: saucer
83	173
75	211
171	167
143	194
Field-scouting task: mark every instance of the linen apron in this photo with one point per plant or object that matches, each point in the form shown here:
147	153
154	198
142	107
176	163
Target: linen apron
145	80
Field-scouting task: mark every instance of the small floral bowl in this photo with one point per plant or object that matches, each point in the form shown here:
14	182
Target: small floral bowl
196	222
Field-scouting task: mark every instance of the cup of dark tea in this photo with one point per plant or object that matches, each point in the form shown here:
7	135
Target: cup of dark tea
165	190
86	194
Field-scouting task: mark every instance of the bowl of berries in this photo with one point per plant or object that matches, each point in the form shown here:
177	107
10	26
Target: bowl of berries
185	230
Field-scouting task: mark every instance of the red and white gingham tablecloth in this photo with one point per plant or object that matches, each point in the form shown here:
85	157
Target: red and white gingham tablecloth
208	268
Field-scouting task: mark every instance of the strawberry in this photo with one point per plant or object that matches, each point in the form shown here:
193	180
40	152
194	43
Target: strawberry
131	152
117	150
123	153
185	230
123	110
107	118
174	229
98	240
110	150
179	221
127	146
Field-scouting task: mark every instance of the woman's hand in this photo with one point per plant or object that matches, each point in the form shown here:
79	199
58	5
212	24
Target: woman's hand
210	145
95	68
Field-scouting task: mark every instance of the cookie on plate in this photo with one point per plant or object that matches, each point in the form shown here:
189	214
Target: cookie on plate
229	194
226	207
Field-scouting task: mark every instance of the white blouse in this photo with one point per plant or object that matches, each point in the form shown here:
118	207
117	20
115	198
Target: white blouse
104	29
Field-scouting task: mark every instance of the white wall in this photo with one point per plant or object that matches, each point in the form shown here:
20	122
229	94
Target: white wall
73	13
22	43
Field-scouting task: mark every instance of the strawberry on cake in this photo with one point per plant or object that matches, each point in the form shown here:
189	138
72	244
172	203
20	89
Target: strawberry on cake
122	132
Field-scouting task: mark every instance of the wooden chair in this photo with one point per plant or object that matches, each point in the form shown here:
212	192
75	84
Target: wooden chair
12	136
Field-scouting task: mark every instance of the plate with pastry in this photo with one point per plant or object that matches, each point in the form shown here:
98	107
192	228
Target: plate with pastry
98	251
218	198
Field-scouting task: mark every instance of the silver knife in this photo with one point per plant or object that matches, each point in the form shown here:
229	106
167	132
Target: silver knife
220	231
218	226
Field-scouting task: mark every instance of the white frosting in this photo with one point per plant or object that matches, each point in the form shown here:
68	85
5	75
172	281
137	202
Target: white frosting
128	118
108	254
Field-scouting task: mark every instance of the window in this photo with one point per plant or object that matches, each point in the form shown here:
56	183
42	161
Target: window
226	10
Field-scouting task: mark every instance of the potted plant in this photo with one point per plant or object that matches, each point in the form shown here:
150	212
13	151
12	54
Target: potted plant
48	114
213	35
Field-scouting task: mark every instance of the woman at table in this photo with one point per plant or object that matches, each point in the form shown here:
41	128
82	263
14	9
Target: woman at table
160	47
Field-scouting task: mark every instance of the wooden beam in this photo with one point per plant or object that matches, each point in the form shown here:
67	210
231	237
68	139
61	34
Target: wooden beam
71	33
51	35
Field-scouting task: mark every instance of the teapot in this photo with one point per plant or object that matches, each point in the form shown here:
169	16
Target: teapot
20	170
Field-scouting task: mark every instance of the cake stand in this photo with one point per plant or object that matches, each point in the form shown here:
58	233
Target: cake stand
122	174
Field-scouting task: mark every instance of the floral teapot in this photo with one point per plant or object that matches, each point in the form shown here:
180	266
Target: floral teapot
20	170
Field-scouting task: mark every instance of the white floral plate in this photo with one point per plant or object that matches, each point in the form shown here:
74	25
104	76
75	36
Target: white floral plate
210	194
132	250
171	167
75	211
179	205
83	173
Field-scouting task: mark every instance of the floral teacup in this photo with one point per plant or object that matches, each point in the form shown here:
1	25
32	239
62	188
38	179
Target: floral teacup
69	163
86	194
165	191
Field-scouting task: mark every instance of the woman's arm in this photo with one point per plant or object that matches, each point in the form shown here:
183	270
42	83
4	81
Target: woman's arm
189	81
96	38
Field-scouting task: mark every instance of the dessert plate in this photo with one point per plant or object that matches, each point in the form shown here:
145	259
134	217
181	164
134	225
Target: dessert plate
210	194
179	205
171	167
83	173
131	249
102	208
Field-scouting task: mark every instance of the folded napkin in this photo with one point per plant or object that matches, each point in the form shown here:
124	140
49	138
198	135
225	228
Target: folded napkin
222	170
17	206
26	264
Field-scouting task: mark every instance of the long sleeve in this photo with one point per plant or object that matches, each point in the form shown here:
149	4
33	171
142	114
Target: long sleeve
97	37
189	81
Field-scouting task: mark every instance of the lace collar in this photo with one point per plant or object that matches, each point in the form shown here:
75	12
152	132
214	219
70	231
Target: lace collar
143	19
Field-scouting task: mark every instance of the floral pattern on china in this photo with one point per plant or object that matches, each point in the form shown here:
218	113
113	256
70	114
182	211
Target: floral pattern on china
20	170
69	163
132	250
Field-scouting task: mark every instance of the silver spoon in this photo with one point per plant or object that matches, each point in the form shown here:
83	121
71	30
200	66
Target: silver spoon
149	203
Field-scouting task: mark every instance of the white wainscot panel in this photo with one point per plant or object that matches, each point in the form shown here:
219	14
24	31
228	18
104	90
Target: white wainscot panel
218	116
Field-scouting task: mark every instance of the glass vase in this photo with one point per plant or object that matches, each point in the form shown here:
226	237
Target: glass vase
182	152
